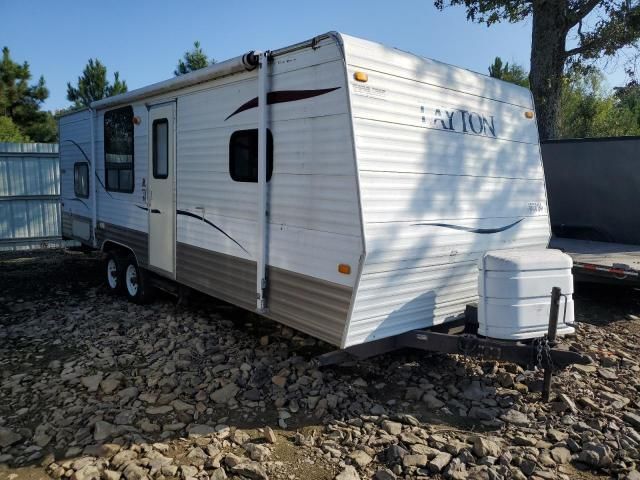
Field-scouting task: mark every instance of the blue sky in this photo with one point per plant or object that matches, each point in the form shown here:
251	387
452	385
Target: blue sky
143	39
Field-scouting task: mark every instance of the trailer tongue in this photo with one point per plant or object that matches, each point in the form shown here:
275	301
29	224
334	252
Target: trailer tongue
542	353
514	321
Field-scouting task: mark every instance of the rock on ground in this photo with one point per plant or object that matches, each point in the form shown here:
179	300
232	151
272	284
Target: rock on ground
348	473
92	386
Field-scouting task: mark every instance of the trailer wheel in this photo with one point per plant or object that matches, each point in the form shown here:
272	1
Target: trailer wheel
136	282
113	268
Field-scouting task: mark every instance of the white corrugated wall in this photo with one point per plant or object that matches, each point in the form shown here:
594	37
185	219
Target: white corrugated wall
29	195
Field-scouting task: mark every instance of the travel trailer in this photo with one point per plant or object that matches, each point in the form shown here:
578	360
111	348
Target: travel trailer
338	186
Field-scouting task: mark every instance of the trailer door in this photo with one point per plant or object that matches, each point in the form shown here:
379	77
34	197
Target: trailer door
161	186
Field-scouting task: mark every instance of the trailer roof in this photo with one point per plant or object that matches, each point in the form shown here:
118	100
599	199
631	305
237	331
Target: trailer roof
217	70
225	68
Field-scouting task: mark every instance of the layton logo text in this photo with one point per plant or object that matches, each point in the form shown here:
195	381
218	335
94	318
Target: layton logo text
457	120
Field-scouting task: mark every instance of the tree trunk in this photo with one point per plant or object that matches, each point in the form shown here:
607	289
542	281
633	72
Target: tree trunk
549	34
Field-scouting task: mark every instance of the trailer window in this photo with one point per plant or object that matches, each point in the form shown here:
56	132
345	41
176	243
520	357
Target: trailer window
118	149
81	179
160	148
243	155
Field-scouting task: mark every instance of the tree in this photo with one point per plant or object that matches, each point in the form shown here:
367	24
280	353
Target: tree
194	59
9	131
20	102
509	73
556	26
628	97
45	129
588	110
93	85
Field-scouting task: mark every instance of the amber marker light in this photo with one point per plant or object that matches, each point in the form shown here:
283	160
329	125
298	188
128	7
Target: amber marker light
361	76
344	268
529	115
137	120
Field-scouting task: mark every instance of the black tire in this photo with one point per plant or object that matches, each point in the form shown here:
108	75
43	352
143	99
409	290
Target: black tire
135	282
113	277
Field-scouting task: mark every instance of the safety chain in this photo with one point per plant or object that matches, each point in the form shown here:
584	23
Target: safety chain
468	345
539	353
547	351
543	347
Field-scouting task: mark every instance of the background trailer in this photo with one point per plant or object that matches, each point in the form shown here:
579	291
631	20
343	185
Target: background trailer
593	185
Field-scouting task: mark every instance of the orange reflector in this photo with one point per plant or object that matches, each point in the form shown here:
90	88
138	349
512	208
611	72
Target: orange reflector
361	76
344	268
528	114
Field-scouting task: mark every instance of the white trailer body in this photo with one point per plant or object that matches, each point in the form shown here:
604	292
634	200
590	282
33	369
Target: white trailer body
391	175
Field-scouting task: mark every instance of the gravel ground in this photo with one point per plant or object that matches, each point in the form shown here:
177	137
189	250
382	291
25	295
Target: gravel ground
92	387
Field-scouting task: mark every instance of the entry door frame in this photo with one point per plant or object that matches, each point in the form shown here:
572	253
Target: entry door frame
158	261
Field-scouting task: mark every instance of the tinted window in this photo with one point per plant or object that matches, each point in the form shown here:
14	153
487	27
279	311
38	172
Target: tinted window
160	148
243	155
81	179
118	149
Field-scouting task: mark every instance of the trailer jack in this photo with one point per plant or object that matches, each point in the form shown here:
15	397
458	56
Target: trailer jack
542	353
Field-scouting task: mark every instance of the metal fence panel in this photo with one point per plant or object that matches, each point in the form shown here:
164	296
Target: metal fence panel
592	186
29	196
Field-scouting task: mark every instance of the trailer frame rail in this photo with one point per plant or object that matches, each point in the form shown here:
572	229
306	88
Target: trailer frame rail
543	353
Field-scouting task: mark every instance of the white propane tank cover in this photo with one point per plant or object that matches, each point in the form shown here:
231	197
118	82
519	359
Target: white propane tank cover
515	293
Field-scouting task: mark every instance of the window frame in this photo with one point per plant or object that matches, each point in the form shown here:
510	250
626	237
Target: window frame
250	131
75	183
110	166
154	159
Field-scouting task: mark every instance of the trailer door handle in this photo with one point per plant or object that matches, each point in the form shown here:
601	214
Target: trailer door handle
155	210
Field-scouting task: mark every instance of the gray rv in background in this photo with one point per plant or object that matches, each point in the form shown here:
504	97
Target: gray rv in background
593	189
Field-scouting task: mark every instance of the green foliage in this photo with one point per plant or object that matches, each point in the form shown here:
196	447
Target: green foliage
9	131
20	103
588	110
628	97
194	59
491	11
616	24
509	73
595	29
45	129
93	85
